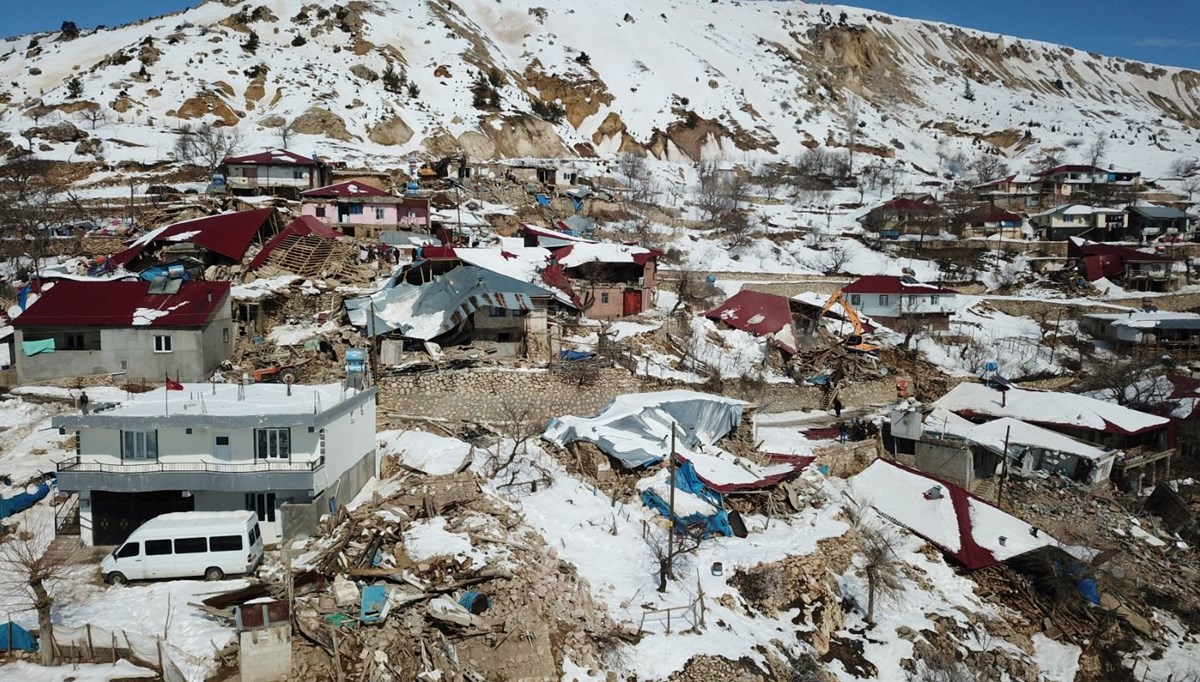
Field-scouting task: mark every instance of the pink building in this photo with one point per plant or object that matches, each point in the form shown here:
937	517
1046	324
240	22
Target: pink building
363	210
613	280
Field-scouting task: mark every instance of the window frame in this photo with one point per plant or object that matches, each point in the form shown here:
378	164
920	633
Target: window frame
380	213
121	554
144	446
273	443
191	547
162	343
884	300
167	542
222	539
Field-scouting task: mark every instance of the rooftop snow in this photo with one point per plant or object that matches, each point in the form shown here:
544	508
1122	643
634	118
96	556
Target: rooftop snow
221	400
994	434
1048	407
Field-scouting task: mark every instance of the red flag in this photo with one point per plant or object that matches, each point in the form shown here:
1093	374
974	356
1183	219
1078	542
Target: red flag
174	385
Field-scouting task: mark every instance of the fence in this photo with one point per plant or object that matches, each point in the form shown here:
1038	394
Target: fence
99	645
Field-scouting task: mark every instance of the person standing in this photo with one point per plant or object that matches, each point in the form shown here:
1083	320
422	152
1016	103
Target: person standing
83	402
837	407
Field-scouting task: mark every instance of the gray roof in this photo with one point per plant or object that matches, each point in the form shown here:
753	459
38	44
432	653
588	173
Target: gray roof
1159	212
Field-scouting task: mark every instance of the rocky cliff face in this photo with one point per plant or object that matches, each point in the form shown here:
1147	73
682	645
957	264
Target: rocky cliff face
555	78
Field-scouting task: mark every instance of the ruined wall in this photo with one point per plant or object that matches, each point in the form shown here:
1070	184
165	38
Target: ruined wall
482	394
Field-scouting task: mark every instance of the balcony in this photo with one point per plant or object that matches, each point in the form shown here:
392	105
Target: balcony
75	473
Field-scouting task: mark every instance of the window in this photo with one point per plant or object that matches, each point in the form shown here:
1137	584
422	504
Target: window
130	549
139	444
380	213
297	175
225	335
604	298
321	442
73	341
191	545
162	344
320	211
912	301
272	443
158	547
856	299
254	534
883	300
933	300
225	543
262	504
222	440
497	312
355	209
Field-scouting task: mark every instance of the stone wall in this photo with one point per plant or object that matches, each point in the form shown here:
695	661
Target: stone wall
484	394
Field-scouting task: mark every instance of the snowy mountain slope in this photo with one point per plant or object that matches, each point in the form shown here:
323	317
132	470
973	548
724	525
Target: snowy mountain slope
684	79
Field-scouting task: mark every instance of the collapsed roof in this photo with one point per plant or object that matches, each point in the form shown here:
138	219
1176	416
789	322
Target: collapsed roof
1048	407
228	234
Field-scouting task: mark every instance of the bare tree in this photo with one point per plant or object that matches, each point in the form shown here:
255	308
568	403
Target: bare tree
33	199
518	424
988	167
636	171
1185	166
669	561
772	178
835	258
851	118
711	195
882	567
1130	380
285	132
94	116
1190	186
28	574
940	666
1097	150
206	145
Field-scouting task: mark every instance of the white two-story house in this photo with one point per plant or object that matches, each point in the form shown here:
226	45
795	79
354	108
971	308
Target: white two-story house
278	172
894	301
290	454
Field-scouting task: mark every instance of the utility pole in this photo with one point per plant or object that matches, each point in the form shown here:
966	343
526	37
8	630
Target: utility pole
668	570
1004	463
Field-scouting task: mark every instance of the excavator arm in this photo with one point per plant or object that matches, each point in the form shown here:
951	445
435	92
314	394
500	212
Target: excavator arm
855	342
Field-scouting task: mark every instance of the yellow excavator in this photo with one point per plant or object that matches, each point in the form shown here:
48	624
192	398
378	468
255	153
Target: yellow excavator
855	341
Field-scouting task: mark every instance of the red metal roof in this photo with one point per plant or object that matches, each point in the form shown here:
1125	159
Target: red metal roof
122	304
755	312
299	227
905	205
275	157
890	284
613	255
349	188
228	234
1070	168
797	463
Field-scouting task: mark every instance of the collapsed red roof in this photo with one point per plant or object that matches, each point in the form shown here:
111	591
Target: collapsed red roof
304	225
122	304
228	234
890	284
755	312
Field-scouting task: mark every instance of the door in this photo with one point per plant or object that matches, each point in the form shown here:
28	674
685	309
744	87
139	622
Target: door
263	506
251	175
632	303
116	515
221	450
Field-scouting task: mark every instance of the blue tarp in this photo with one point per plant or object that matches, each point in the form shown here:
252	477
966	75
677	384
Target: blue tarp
575	355
23	296
14	637
22	501
32	348
686	480
543	200
374	597
475	602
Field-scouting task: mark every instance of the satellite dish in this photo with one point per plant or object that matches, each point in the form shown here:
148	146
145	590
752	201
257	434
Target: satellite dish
1065	190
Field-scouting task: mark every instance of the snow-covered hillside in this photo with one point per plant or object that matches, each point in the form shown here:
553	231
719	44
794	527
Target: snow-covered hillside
684	79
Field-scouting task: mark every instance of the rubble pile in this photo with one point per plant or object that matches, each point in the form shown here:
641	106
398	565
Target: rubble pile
436	576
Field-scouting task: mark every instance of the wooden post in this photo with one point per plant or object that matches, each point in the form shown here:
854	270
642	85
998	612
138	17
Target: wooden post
337	657
671	517
1004	463
91	650
114	647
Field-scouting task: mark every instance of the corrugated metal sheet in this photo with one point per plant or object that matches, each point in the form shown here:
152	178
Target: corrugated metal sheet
115	304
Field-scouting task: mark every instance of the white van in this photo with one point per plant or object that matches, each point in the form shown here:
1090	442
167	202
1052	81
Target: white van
187	545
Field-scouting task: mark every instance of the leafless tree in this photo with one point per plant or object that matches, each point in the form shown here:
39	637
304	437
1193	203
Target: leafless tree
32	577
1047	158
636	171
711	194
1130	380
669	561
285	132
835	257
882	567
1097	150
94	116
772	178
206	145
1190	186
33	199
988	167
940	666
518	424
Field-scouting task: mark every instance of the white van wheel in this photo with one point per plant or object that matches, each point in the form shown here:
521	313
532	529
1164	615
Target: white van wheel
214	573
116	578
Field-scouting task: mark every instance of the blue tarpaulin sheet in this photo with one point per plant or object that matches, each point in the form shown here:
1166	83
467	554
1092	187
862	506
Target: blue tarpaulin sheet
575	355
22	501
686	480
543	200
14	637
23	296
34	347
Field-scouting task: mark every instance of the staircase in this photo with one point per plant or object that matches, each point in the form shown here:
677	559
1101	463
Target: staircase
985	488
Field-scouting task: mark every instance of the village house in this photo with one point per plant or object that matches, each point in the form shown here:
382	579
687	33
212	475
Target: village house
920	216
1147	222
288	453
1072	179
611	280
137	329
989	220
501	300
362	210
898	301
1079	220
1146	441
1015	192
1154	333
1133	269
277	172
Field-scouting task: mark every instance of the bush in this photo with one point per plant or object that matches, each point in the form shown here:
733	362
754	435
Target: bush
414	90
74	88
583	59
550	111
251	44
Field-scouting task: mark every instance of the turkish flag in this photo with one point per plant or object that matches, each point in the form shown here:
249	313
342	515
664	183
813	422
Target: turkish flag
174	385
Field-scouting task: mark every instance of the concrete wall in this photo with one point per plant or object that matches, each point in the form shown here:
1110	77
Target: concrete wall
951	461
270	176
367	217
265	655
299	519
897	304
179	446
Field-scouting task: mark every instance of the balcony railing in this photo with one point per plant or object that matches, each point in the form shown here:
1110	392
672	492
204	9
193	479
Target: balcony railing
76	464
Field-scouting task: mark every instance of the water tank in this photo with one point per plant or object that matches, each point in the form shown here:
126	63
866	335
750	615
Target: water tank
356	356
176	271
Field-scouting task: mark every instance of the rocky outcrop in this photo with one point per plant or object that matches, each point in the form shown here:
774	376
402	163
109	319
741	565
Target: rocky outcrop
363	72
318	121
207	103
390	131
59	132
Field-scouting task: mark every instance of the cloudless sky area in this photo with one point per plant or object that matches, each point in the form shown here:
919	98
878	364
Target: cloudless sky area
1158	31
